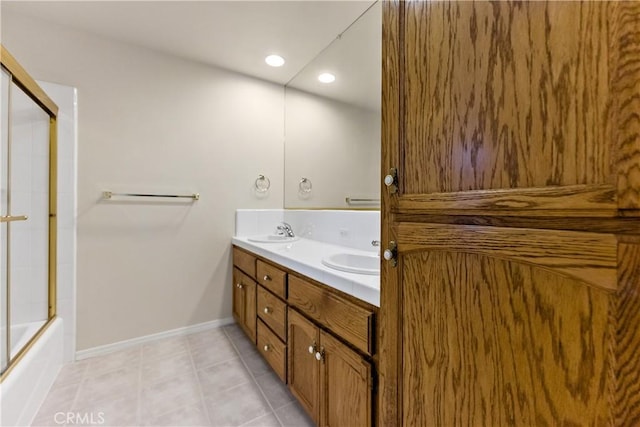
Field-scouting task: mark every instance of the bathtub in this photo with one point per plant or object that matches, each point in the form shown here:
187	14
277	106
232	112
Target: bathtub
27	384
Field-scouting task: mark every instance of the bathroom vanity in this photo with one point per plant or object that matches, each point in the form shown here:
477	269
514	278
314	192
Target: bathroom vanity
317	338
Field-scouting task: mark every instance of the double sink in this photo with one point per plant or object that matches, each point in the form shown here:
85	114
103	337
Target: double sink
348	262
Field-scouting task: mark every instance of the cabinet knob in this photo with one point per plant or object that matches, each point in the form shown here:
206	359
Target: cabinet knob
266	278
388	180
391	180
320	355
267	310
312	348
267	347
239	285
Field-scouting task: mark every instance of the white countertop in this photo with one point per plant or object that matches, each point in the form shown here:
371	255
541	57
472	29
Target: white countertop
305	257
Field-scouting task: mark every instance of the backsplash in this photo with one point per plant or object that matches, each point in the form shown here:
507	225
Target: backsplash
354	229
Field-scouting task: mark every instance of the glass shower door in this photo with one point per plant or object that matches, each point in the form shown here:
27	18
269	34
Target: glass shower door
4	148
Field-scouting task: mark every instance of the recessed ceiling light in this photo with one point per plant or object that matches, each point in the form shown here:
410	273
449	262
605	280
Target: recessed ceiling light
327	78
274	60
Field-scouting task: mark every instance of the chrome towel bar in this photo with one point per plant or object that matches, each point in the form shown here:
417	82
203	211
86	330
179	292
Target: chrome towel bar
110	194
351	200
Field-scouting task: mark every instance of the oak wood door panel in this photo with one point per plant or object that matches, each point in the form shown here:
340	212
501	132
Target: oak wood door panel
345	392
488	341
244	302
517	107
303	370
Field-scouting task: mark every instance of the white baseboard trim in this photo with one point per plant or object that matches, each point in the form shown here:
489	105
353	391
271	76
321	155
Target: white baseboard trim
121	345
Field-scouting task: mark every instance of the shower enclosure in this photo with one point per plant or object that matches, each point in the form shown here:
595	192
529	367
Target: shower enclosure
27	212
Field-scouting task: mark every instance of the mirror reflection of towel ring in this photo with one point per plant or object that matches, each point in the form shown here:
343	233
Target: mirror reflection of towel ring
305	185
262	184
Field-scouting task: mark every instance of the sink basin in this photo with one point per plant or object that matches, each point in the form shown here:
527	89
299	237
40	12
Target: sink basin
272	238
361	264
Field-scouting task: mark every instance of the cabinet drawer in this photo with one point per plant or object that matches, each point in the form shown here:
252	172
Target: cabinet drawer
244	261
350	321
273	350
273	312
272	278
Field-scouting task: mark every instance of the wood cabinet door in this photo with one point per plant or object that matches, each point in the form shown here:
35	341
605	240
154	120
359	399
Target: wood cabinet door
345	385
238	297
250	317
506	326
303	368
513	107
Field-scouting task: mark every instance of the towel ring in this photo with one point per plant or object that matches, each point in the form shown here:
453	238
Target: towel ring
305	185
262	184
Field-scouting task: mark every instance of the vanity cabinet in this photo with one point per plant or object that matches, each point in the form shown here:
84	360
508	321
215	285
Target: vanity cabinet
317	339
244	302
331	381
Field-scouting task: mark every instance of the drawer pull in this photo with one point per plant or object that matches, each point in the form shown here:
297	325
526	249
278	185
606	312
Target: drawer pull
266	278
267	347
267	310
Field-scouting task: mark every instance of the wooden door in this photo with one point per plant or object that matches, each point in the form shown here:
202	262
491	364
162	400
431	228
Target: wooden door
515	294
250	316
345	385
238	297
244	302
303	368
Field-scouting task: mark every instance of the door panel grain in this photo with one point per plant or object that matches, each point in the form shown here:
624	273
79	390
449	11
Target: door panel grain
303	370
506	95
346	385
501	343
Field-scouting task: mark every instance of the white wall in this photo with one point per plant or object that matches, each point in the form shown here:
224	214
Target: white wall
333	144
151	122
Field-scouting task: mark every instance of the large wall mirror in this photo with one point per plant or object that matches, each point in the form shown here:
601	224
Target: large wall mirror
332	129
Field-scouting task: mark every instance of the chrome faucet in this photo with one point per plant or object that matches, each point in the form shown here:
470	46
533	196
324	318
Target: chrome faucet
285	229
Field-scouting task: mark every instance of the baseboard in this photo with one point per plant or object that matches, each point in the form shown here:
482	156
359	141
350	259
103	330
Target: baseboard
121	345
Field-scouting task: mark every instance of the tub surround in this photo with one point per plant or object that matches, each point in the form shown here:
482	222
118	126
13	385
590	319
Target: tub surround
322	233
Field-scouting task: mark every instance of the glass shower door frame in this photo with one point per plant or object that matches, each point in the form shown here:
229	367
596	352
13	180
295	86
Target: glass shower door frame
21	78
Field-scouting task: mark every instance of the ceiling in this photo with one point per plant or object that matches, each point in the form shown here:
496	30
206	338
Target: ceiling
236	35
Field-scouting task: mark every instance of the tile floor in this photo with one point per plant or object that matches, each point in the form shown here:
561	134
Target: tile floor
211	378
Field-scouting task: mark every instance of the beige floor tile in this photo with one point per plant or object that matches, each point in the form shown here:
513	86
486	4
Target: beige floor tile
207	338
166	367
223	376
114	411
191	415
243	344
256	363
95	389
292	415
120	359
168	395
268	420
215	353
164	348
59	399
233	330
275	390
72	373
236	406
